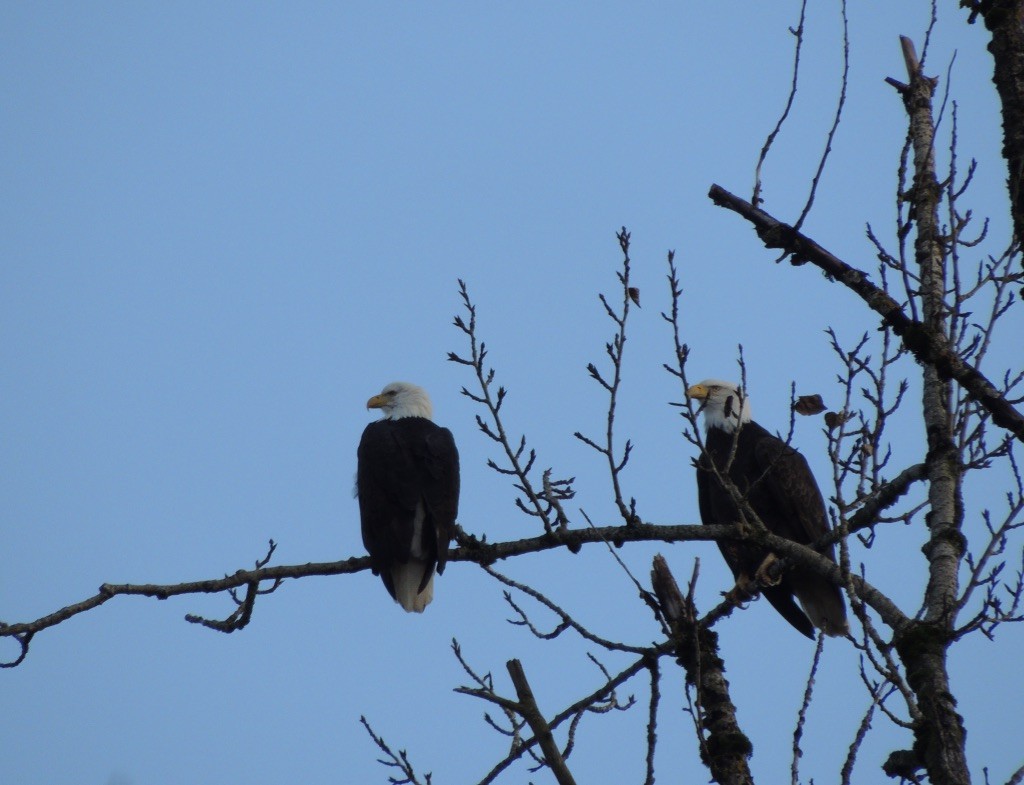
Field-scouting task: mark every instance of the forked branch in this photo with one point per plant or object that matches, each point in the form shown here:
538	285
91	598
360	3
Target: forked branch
615	350
545	503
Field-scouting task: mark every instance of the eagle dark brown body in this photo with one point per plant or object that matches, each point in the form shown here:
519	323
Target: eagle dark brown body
778	485
408	487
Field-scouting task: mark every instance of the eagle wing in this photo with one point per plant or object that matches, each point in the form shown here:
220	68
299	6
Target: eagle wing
387	490
799	507
799	514
440	485
716	506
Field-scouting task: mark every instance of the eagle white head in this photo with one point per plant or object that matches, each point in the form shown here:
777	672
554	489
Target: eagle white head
724	404
402	399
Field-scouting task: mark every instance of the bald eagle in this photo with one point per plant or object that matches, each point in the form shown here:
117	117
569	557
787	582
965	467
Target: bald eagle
780	488
407	482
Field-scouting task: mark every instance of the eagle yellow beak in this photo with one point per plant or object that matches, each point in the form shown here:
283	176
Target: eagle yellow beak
698	391
377	402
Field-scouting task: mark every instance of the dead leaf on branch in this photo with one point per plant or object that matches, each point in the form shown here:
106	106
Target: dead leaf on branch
834	419
808	405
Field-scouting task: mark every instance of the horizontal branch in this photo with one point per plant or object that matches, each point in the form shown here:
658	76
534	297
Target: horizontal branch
164	591
471	549
475	550
926	345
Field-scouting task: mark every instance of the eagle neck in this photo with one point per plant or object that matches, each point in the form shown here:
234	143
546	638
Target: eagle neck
408	416
717	418
418	409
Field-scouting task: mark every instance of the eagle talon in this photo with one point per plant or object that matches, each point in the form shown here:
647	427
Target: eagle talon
743	592
764	574
744	529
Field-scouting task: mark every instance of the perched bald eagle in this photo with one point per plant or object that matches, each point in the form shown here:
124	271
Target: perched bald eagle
780	488
408	487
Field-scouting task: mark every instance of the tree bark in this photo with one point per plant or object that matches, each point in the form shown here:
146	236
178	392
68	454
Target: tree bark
541	730
939	737
725	749
1004	19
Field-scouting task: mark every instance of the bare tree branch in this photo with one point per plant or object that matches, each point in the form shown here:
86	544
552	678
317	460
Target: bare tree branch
940	737
566	621
542	504
615	350
798	34
541	730
801	716
928	348
840	104
569	712
725	749
395	760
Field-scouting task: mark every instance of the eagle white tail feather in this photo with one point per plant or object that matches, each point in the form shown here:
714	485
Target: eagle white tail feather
407	579
826	612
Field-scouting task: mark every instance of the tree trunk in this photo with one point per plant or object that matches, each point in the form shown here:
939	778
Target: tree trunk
939	735
1004	19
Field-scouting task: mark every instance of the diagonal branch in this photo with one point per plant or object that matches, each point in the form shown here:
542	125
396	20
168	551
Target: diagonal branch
725	749
798	34
570	711
541	730
885	496
926	346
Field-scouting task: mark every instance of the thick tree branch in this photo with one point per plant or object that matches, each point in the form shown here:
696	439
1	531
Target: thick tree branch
527	707
946	546
725	749
471	549
927	347
810	559
885	496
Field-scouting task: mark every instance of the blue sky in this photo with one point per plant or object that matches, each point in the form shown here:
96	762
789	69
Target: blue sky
224	227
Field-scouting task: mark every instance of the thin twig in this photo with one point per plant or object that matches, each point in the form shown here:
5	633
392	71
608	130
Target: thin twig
615	350
798	33
844	82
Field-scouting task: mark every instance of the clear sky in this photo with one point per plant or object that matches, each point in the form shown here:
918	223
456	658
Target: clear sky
224	226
